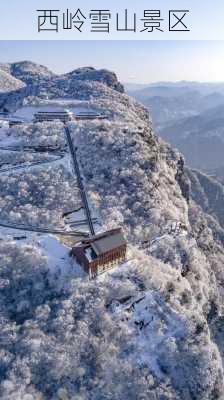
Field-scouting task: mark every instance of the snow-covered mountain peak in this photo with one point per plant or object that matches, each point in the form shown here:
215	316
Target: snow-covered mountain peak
148	328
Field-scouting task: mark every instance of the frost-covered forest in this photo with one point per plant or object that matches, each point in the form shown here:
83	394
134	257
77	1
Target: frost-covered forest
39	197
55	347
148	329
43	187
35	135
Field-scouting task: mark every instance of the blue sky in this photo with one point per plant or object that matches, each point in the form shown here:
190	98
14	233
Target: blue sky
133	61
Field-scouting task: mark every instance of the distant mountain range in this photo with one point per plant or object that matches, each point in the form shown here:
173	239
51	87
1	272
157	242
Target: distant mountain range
189	115
200	138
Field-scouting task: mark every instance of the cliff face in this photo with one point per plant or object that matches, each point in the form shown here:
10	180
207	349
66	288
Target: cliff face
208	193
156	331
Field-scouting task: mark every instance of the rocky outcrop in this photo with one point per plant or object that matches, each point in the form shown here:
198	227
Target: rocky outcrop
104	76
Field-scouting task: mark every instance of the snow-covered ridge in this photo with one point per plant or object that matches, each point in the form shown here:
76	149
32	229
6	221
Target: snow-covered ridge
35	75
37	80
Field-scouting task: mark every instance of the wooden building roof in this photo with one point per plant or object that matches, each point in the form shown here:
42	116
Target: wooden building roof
107	241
